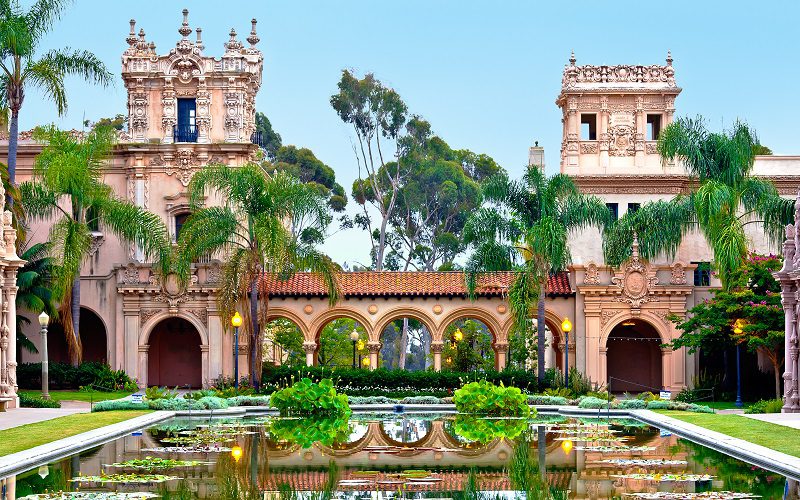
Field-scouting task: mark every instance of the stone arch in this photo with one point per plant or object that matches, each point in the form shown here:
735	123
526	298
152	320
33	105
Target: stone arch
275	353
400	313
286	313
94	348
499	335
329	315
609	327
143	364
175	354
633	357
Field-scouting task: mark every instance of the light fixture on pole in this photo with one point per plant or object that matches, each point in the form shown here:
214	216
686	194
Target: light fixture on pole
236	322
737	329
458	335
44	320
354	338
566	327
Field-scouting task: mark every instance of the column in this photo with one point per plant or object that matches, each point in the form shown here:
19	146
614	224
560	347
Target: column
11	314
436	349
374	350
310	348
602	377
790	348
667	379
143	362
205	376
502	352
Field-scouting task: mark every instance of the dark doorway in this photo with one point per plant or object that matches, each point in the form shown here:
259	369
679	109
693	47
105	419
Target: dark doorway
634	358
93	339
174	358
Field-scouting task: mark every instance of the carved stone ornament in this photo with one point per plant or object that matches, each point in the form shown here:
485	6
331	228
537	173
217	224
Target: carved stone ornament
214	274
592	276
372	309
184	165
635	280
437	309
678	274
621	141
130	274
97	241
146	314
201	314
588	148
663	314
606	315
157	161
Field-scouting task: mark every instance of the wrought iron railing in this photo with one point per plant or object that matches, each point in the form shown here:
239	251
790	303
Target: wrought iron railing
257	138
184	133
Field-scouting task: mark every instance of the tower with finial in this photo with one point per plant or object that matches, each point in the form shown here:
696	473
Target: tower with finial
612	116
185	96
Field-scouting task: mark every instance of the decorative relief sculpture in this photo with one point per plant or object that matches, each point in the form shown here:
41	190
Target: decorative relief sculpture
606	315
678	274
588	148
185	162
635	280
130	274
620	75
146	314
592	275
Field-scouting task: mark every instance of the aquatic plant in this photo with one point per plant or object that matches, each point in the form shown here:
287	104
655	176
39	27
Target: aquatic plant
484	430
485	398
153	463
307	431
305	397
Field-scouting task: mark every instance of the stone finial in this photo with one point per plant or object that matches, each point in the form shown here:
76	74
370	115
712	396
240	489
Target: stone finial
152	47
572	59
132	35
199	42
233	44
635	246
669	58
185	30
253	38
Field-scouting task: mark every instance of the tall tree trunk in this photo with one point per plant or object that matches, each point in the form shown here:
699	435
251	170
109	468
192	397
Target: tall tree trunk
540	337
777	368
403	345
255	338
75	305
12	146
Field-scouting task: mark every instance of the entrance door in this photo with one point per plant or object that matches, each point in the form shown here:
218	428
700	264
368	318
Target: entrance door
174	358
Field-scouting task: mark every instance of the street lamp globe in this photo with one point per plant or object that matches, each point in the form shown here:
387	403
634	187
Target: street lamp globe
236	320
458	335
354	335
566	325
44	319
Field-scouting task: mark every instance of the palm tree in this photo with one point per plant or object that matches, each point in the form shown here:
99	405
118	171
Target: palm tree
725	198
20	68
67	189
268	224
525	230
34	293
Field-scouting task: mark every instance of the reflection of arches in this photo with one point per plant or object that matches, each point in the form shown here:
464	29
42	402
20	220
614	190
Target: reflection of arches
634	357
94	339
409	432
175	354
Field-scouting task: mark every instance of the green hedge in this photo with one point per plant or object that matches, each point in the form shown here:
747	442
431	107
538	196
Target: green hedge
394	383
65	376
28	401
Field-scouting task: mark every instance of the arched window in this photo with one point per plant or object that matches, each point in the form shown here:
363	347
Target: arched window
180	220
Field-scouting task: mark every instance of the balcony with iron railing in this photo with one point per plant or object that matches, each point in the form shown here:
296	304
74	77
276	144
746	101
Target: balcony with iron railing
184	133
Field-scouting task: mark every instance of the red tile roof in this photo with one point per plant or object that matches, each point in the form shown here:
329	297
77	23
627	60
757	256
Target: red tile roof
404	284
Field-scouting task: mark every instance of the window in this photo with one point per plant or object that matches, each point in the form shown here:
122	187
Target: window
588	127
180	220
614	209
92	220
653	127
186	129
633	207
702	275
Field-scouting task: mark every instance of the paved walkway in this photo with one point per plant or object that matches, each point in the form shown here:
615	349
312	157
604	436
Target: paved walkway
22	416
787	419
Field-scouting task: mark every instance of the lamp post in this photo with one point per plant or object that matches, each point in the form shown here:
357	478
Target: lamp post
566	326
236	322
354	339
44	319
737	329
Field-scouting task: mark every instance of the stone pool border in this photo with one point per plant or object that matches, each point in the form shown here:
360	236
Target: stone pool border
760	456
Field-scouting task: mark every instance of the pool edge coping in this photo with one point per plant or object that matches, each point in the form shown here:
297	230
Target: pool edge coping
761	456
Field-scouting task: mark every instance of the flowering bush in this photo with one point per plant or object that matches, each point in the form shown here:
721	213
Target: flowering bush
486	398
308	398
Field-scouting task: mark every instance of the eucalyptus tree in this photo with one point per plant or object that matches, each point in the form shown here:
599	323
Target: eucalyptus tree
266	224
22	68
724	199
524	228
67	190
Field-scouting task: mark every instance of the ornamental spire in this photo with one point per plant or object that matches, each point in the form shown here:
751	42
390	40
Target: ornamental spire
572	59
253	38
132	35
185	30
669	58
635	247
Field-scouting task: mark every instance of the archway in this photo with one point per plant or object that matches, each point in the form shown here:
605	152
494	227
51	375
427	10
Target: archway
634	357
405	345
283	343
335	347
174	356
93	339
467	346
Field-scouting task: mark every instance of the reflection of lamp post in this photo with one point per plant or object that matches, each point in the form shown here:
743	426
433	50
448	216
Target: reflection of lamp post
44	319
737	329
236	322
236	452
566	326
566	445
354	339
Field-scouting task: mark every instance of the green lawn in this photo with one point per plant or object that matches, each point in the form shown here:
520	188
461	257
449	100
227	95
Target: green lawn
724	405
774	436
93	396
27	436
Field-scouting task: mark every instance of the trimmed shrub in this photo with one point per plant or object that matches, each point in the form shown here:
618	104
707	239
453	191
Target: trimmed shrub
658	404
248	401
213	403
589	402
310	398
28	401
421	400
177	404
486	398
541	399
766	406
632	404
370	400
393	383
119	404
699	408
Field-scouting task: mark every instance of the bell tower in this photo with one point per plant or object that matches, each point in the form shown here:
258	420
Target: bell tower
612	116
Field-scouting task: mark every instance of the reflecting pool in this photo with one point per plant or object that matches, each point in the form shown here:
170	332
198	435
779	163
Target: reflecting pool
397	456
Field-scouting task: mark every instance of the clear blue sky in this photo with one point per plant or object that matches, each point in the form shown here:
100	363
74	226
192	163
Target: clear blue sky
485	74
